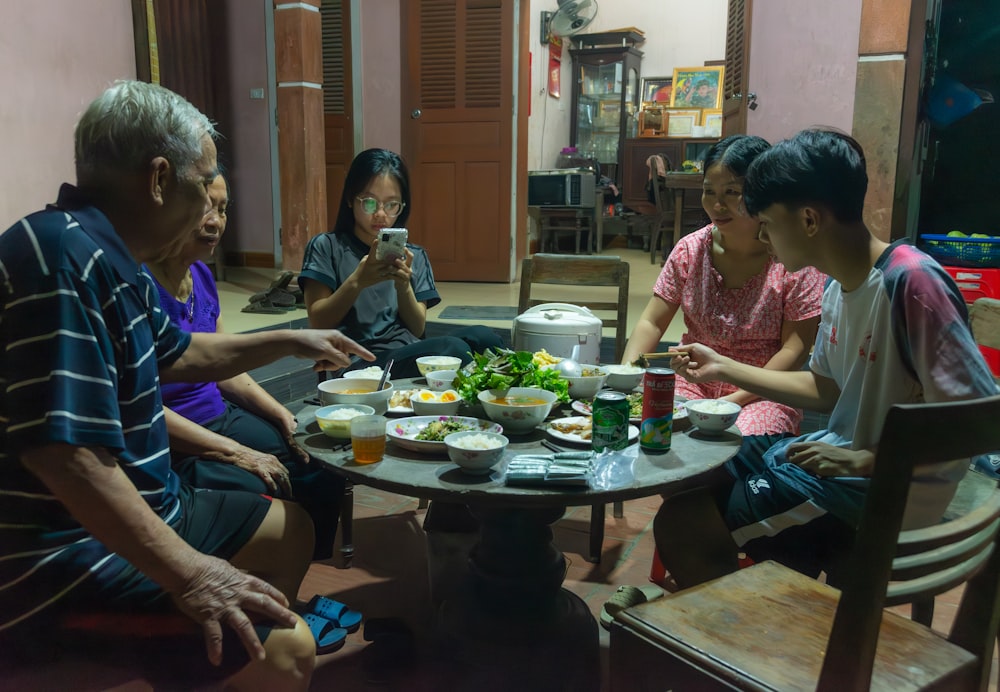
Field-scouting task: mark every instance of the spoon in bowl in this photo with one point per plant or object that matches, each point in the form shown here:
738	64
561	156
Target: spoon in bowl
570	367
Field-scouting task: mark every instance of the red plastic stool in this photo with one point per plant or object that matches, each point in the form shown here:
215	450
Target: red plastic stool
658	573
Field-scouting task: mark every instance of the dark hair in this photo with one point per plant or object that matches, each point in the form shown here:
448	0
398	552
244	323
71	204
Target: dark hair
701	83
813	167
735	152
366	166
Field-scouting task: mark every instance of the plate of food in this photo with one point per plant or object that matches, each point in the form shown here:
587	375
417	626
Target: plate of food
634	407
426	434
399	402
577	430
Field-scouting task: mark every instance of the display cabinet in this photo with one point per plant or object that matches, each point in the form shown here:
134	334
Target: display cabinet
605	96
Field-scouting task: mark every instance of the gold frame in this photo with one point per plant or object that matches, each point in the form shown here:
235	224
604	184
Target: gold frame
709	116
682	95
682	121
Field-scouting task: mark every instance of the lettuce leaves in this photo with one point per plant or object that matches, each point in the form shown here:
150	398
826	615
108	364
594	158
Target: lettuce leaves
502	369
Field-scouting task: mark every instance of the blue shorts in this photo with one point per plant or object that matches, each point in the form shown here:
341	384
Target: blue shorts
778	511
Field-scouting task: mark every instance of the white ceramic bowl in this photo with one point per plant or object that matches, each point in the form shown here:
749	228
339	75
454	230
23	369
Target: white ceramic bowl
585	387
428	403
356	391
440	380
426	364
475	461
624	378
372	372
712	415
335	421
519	409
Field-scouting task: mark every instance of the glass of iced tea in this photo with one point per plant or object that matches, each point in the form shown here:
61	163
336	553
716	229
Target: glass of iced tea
368	438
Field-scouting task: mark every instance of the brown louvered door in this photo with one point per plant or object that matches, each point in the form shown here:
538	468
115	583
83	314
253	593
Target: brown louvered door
337	106
734	104
458	121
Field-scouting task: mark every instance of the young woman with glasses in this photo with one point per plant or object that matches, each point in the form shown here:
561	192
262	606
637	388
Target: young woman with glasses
382	304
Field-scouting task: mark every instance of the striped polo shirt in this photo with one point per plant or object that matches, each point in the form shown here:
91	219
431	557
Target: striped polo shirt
82	337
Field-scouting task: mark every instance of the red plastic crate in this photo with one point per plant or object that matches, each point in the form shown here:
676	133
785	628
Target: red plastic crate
974	283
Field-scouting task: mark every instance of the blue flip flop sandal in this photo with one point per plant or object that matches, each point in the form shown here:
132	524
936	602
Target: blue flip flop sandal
328	636
335	611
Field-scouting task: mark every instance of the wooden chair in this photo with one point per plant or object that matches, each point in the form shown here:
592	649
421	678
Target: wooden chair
663	221
767	627
572	270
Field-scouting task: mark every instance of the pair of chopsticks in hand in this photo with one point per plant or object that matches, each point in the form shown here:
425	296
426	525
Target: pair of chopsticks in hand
643	360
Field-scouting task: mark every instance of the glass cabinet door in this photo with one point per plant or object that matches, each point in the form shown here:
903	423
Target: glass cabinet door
599	111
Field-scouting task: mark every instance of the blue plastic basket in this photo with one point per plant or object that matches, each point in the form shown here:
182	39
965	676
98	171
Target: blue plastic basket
962	252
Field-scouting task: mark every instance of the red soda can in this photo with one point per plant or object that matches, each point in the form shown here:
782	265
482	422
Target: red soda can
657	410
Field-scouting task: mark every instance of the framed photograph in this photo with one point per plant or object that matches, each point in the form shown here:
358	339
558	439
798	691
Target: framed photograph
657	90
653	121
712	121
697	87
682	121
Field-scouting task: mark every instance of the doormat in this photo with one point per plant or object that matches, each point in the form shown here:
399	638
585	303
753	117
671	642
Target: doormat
478	312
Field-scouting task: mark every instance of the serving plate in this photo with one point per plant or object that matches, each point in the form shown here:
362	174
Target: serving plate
574	438
404	431
583	406
405	409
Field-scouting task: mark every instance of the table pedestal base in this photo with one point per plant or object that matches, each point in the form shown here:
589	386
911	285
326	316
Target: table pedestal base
512	625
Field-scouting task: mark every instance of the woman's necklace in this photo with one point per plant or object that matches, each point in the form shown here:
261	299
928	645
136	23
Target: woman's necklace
189	306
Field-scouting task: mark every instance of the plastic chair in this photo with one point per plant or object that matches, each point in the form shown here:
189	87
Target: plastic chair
769	627
573	270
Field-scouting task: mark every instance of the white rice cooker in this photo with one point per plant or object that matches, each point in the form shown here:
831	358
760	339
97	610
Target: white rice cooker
558	327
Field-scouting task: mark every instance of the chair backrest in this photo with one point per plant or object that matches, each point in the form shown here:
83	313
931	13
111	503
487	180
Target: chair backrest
924	562
984	317
580	270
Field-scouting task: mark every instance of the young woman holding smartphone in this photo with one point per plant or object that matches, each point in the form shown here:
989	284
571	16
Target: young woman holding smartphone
381	304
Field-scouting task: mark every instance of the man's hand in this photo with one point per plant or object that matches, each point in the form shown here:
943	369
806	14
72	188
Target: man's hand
218	594
328	347
698	363
824	459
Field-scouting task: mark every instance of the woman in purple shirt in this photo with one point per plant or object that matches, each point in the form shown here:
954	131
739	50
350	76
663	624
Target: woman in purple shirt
233	434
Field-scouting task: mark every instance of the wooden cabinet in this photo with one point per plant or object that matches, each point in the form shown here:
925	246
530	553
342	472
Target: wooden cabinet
605	96
635	173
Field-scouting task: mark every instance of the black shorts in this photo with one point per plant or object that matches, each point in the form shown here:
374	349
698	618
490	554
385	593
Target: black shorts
214	522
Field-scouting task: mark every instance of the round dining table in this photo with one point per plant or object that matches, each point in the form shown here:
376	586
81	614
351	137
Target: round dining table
512	597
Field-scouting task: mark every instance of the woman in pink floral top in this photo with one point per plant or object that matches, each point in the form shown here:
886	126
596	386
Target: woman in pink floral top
734	296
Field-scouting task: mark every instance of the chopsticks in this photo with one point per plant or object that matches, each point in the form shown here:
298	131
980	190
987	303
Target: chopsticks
662	354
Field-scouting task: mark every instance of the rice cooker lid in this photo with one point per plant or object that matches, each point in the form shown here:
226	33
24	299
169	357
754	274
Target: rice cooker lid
558	318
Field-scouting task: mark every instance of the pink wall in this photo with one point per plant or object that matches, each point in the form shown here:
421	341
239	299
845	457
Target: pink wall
55	57
803	66
251	228
381	66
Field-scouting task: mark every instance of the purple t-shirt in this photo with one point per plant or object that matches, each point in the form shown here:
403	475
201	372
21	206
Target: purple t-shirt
196	401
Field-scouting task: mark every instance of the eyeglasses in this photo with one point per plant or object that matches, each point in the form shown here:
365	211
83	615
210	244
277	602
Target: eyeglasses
370	205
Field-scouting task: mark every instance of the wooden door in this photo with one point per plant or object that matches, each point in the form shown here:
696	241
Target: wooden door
337	106
458	122
735	80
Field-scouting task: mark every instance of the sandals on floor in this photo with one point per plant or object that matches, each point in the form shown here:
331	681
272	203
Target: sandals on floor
334	611
328	636
626	597
273	301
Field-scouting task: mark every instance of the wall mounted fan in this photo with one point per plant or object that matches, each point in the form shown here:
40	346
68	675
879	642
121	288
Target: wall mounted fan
571	17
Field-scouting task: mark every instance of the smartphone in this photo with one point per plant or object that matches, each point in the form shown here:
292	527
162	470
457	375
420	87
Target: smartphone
391	244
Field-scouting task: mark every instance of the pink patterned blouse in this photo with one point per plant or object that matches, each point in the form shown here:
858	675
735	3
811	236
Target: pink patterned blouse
742	323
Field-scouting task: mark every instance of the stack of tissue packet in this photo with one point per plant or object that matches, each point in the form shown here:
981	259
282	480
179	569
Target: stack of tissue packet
563	468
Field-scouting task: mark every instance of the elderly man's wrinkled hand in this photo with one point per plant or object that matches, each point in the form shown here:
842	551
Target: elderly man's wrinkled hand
329	348
218	594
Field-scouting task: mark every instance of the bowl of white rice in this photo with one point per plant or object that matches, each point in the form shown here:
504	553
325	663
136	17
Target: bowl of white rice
372	372
475	452
712	415
335	420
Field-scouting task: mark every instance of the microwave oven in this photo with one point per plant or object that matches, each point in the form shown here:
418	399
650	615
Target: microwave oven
561	187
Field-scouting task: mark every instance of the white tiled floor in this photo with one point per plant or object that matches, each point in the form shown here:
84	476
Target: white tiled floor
241	283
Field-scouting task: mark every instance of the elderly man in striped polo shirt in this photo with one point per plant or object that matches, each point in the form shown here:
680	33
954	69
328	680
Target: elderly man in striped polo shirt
90	513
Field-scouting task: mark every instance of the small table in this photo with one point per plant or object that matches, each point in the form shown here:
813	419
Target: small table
679	182
594	216
514	595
